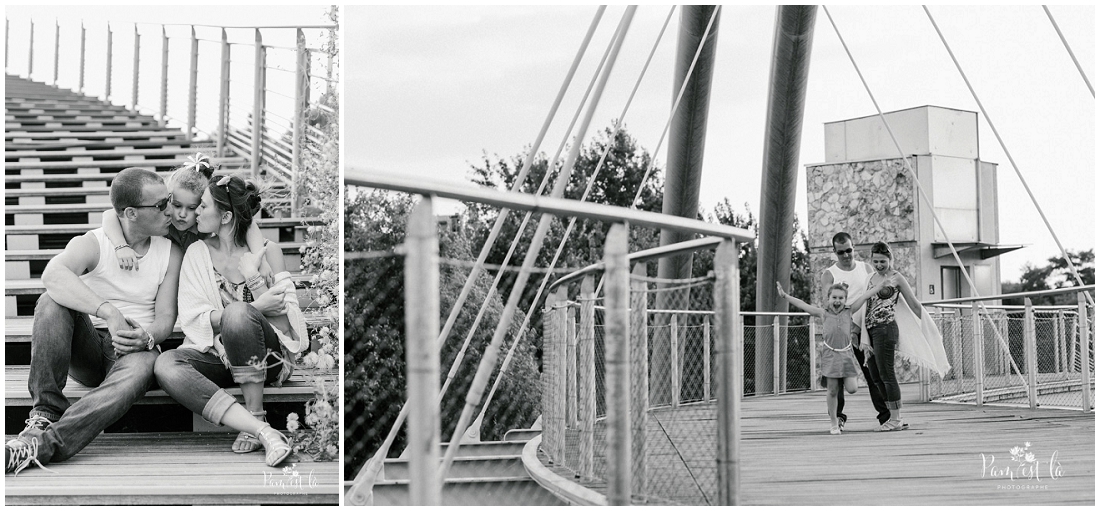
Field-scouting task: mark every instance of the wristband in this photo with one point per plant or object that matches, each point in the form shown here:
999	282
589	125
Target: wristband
122	246
255	281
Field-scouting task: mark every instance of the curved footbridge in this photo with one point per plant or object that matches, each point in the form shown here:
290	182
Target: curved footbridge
951	454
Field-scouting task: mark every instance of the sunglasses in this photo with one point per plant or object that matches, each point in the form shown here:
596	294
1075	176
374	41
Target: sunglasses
844	252
160	205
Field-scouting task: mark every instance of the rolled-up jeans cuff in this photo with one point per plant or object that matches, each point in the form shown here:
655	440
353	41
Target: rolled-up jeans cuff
52	417
248	374
217	406
893	405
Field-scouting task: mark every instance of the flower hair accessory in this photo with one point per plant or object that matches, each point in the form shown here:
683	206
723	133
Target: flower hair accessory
200	160
224	181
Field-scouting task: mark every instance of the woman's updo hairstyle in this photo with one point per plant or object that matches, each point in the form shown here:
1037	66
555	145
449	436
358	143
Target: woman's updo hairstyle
240	197
193	175
880	247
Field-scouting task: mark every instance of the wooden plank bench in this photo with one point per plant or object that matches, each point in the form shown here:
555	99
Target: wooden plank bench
107	153
17	263
173	469
17	329
96	135
112	164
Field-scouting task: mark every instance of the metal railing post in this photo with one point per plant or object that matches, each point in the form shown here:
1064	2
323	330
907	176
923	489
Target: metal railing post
301	99
56	48
617	345
557	358
1086	377
83	34
137	69
549	326
193	85
979	356
570	368
257	106
421	252
586	378
1030	354
675	356
7	41
163	76
110	57
223	97
730	367
706	359
775	356
813	353
30	55
639	379
1060	358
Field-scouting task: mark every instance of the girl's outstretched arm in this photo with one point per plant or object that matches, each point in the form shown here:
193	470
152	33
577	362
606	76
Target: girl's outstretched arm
867	296
907	292
112	227
807	308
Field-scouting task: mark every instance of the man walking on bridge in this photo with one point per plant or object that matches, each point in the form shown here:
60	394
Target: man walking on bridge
99	324
855	274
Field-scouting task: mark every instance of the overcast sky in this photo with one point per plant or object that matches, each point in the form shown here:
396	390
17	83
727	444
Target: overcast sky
429	89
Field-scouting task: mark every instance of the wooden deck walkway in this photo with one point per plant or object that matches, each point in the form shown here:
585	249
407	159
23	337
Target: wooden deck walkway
789	458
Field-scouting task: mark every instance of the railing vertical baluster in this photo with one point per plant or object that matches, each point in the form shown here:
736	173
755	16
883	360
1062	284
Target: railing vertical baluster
639	379
730	367
706	359
570	368
7	41
421	252
223	98
193	86
257	106
1086	359
83	34
617	346
1060	344
586	376
56	48
137	68
110	57
163	76
301	99
675	356
547	375
979	356
775	356
30	55
557	449
1030	354
1073	340
813	352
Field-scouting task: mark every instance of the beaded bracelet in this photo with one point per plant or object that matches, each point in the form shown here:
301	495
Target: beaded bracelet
255	281
124	245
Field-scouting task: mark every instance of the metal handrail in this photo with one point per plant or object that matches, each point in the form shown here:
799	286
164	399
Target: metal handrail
1028	294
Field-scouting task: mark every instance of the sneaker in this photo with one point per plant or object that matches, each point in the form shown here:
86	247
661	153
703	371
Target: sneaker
893	425
834	431
842	422
36	422
19	453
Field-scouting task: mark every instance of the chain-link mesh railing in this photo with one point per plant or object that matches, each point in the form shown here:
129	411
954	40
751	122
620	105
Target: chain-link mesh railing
1017	355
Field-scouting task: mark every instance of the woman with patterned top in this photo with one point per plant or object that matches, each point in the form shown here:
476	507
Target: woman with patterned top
241	319
882	329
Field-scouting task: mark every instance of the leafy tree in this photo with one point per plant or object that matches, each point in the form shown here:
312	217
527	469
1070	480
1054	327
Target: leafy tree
1054	275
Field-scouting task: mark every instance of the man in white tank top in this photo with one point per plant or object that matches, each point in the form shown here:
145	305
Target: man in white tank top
855	274
99	324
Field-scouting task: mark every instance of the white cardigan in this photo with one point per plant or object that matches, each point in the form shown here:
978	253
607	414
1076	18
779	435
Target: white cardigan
199	297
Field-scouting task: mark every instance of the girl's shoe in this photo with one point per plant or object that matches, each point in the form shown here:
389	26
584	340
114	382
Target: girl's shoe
247	442
893	425
276	445
834	431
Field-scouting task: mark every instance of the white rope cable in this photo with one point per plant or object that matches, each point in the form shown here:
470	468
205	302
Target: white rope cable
1072	267
922	193
572	222
374	464
487	365
1070	50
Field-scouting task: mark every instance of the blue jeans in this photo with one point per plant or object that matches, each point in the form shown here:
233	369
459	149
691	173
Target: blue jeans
884	341
197	380
63	341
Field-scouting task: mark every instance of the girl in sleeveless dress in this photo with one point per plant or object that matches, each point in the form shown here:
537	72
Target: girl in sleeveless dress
838	363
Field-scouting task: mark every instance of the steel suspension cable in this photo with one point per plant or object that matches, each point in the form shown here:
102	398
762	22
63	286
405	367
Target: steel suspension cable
488	361
569	229
369	470
921	191
1069	263
1070	50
